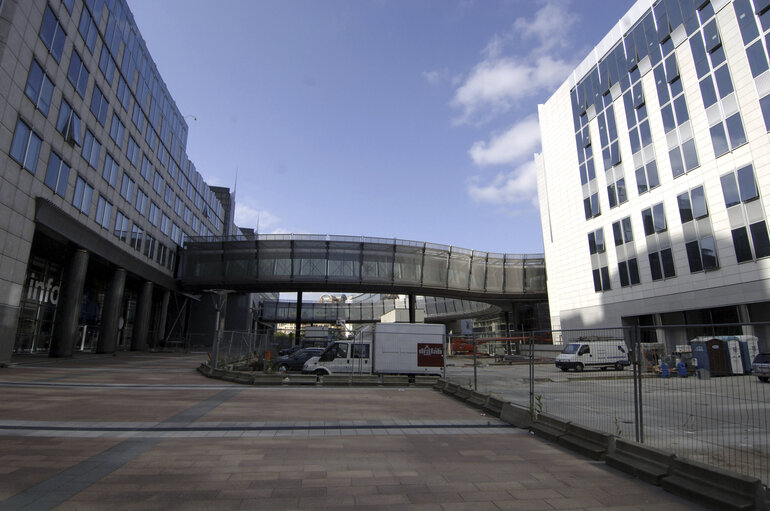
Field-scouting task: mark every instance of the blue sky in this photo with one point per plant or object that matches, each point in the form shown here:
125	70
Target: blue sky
410	119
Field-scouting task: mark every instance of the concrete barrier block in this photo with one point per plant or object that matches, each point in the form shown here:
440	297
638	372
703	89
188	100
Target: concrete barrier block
516	415
268	379
587	441
713	487
549	427
440	384
301	379
336	379
646	463
365	379
477	399
425	381
395	380
493	406
463	394
450	388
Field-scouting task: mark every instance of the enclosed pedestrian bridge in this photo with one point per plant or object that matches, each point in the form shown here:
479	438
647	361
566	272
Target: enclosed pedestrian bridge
323	263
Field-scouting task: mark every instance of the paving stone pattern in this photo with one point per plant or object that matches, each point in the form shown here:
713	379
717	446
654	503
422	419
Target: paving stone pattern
146	431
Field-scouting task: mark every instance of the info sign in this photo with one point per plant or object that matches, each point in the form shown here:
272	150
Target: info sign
430	354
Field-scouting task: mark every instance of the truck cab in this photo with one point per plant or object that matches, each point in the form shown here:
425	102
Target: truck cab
342	357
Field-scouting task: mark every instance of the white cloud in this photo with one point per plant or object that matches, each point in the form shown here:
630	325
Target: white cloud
253	218
500	82
495	86
519	141
517	186
434	77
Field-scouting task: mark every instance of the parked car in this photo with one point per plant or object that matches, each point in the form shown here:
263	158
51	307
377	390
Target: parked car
296	360
761	367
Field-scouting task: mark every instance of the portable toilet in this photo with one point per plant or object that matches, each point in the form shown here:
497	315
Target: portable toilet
735	358
712	355
749	349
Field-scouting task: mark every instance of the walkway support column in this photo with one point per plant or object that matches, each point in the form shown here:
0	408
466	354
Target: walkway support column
298	319
66	323
161	332
113	302
412	308
142	320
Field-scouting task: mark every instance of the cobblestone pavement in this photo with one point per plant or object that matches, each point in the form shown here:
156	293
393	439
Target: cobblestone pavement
146	431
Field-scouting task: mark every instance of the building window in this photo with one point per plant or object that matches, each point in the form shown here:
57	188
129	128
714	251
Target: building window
157	183
176	233
692	205
103	212
590	204
654	220
107	65
39	88
99	105
25	148
57	174
91	149
596	242
132	152
647	177
117	130
127	187
178	206
87	29
622	232
146	169
161	255
602	279
742	190
82	197
52	34
69	4
187	215
169	195
149	246
110	171
662	264
124	93
702	254
78	74
68	124
138	118
141	201
628	272
165	224
136	237
152	139
154	215
121	226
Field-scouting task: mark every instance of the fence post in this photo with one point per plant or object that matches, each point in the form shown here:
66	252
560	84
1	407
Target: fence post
638	357
531	372
475	380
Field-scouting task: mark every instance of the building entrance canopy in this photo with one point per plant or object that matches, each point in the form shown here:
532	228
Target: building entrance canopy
291	262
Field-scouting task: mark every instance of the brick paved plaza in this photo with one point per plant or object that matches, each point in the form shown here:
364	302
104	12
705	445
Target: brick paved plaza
144	431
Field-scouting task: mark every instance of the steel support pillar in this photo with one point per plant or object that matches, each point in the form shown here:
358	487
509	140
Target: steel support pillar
412	308
111	312
65	327
160	334
298	319
142	320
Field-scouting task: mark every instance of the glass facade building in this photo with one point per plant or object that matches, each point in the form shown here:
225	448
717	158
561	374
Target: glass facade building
661	136
97	192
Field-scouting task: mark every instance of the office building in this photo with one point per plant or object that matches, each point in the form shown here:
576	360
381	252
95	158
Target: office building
655	170
96	190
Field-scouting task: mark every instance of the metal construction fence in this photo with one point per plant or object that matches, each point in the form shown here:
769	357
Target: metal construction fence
687	389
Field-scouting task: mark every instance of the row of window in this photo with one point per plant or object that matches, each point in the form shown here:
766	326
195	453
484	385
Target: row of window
750	241
54	36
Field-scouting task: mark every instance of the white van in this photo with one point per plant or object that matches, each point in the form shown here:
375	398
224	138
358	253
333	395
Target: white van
578	355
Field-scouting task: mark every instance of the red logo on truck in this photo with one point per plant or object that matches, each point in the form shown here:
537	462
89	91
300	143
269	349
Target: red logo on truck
430	355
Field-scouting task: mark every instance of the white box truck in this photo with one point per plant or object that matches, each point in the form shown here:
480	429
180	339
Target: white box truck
385	348
580	354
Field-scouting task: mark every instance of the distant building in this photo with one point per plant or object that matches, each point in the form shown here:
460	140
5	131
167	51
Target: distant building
96	191
654	173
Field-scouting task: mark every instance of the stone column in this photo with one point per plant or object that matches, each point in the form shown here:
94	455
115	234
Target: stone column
142	320
298	319
111	311
65	328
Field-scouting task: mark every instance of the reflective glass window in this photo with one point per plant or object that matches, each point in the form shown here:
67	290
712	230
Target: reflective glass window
746	183
760	238
685	209
741	245
735	130
719	139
